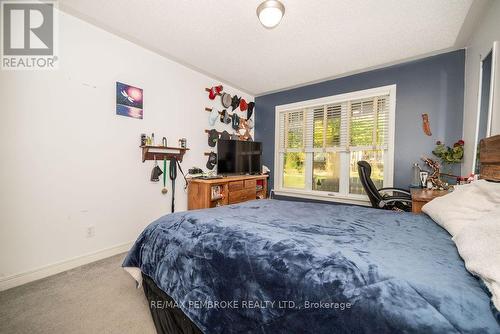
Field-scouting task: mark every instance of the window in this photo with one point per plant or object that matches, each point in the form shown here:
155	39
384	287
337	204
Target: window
319	142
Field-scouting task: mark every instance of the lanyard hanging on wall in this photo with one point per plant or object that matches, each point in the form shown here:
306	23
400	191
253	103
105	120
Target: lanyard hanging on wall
173	176
164	190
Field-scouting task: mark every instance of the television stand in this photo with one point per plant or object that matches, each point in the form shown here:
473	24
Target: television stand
209	193
206	177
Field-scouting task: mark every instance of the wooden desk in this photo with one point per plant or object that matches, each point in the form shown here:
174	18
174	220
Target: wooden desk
419	197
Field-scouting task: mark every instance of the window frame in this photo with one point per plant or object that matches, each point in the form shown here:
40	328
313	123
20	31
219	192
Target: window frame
341	196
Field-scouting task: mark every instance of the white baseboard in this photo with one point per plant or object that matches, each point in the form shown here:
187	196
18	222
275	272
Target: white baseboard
55	268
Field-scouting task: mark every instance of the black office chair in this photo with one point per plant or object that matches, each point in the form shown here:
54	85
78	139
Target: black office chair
400	200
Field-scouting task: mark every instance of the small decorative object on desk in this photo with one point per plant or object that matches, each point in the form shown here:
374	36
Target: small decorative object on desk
164	142
434	177
423	178
265	169
144	139
449	155
182	143
461	180
466	179
415	170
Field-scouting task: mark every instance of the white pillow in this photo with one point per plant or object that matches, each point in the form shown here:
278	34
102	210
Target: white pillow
479	246
464	206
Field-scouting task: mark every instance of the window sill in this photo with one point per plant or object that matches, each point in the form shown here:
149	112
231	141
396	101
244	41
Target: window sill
337	198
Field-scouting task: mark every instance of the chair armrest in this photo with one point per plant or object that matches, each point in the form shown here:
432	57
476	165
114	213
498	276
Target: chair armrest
386	201
396	190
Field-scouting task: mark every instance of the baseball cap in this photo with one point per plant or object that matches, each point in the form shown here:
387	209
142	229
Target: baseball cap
250	107
225	135
235	102
212	118
225	118
213	136
214	91
212	160
236	122
243	105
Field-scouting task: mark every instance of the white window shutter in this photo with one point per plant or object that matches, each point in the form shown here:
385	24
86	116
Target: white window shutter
333	124
281	127
368	122
382	136
291	127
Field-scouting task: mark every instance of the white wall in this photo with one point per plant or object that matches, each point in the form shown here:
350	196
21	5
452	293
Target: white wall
68	162
480	44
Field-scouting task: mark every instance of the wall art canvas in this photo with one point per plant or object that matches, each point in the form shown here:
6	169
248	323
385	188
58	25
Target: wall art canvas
129	101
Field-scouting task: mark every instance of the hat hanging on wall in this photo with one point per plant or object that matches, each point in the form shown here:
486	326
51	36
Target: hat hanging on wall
236	122
225	118
249	123
212	118
214	91
250	107
225	135
235	102
212	160
213	136
243	105
226	100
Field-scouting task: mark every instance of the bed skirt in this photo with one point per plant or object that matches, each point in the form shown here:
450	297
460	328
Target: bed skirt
168	319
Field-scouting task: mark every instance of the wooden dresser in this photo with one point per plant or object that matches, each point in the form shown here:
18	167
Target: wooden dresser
203	194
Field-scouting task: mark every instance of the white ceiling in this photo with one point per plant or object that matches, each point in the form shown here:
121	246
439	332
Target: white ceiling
316	39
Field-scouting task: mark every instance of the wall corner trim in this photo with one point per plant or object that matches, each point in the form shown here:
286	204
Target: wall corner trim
59	267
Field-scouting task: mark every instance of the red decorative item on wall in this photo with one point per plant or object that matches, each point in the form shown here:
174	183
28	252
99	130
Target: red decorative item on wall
243	105
214	92
426	124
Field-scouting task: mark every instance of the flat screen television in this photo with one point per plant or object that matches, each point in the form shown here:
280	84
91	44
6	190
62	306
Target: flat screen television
235	157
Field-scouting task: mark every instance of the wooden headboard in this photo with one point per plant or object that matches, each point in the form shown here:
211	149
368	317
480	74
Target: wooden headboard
489	157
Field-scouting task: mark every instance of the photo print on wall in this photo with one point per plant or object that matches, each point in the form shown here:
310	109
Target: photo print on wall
129	101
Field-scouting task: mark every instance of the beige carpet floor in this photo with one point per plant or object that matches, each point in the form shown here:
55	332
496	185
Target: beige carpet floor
96	298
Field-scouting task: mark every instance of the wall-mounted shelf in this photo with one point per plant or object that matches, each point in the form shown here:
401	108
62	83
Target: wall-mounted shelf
161	152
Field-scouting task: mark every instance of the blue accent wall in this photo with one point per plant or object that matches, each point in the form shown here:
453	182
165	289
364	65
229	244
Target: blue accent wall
433	85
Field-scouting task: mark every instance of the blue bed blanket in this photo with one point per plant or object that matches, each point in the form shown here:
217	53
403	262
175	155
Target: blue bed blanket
271	266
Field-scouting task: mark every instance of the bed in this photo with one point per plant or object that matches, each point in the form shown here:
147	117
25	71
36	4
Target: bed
270	266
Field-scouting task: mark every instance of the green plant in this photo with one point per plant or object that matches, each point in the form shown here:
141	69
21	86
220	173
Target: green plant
449	155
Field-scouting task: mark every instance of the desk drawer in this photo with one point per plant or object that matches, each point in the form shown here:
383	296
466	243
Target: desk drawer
241	195
235	185
250	184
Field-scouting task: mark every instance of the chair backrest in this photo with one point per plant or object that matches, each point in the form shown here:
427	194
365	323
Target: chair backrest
364	172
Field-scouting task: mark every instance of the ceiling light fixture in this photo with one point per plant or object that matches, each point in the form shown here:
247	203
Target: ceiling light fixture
270	13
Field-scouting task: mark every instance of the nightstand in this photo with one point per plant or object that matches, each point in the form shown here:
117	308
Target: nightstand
419	197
